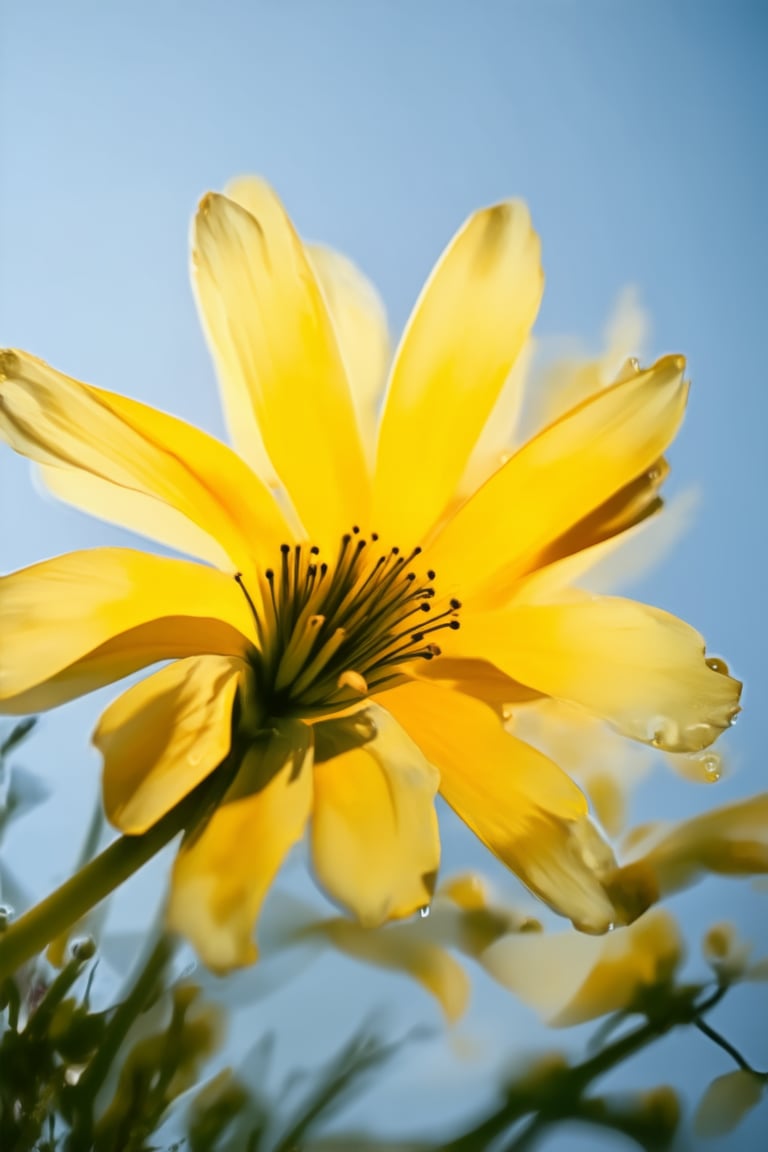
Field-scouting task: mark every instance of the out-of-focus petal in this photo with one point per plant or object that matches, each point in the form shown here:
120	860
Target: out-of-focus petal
276	353
729	841
375	843
361	328
120	460
463	337
163	736
726	1102
555	480
404	949
571	378
223	873
597	757
57	612
528	812
641	669
570	978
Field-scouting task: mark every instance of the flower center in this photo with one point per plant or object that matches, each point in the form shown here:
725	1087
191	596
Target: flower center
330	634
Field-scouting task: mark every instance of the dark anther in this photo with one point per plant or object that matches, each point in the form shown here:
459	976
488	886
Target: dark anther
455	604
374	535
431	574
285	549
314	550
454	624
355	529
269	575
417	637
425	607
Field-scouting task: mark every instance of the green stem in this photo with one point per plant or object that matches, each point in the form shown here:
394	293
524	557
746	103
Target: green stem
29	935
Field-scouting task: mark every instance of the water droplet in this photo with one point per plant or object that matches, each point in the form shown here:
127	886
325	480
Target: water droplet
717	665
654	474
611	927
194	758
702	767
6	915
424	912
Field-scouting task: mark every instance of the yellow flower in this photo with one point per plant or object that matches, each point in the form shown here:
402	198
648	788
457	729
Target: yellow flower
343	576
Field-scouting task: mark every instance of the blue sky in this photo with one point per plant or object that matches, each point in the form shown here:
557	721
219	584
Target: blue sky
634	130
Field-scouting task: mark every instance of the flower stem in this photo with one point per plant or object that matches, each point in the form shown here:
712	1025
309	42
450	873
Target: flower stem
28	935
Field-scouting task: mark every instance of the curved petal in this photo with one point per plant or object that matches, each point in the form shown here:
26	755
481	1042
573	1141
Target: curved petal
169	638
222	875
162	737
567	380
465	333
361	329
635	666
403	948
273	342
55	613
570	978
557	479
728	841
122	460
528	812
375	843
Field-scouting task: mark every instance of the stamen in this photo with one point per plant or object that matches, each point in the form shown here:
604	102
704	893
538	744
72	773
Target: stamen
332	634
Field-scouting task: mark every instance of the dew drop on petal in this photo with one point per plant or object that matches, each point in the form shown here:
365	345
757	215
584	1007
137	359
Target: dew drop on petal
6	914
424	911
702	767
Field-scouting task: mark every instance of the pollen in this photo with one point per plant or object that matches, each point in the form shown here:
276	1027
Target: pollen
332	632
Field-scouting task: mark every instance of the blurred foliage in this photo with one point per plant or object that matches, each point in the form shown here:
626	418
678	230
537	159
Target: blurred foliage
145	1073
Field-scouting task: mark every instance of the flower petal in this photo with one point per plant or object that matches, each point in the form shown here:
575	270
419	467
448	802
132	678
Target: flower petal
555	480
463	337
163	736
403	948
528	812
361	328
126	462
222	875
273	342
375	843
57	612
729	841
727	1101
635	666
570	978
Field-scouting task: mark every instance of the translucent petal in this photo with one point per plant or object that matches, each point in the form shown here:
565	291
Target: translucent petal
729	841
555	480
517	801
463	337
57	612
375	842
122	460
404	949
222	875
726	1101
641	669
361	329
570	978
163	736
273	343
